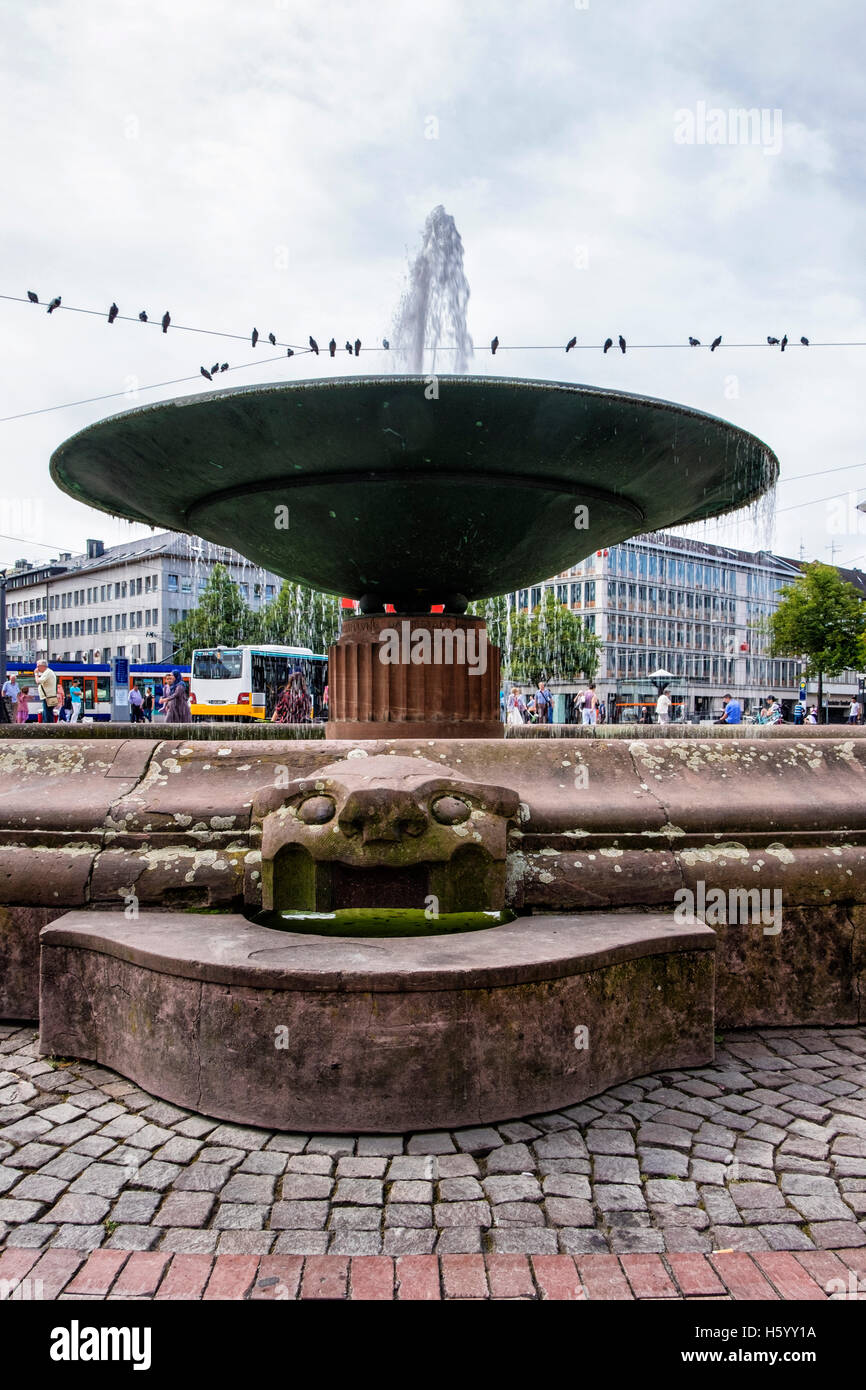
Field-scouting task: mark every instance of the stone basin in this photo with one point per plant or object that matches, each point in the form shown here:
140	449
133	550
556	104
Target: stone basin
365	487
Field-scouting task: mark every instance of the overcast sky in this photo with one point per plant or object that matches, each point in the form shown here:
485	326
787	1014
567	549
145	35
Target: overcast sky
270	163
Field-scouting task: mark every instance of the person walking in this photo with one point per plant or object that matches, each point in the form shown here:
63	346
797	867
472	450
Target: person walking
855	712
663	707
799	712
46	685
543	704
175	702
76	701
589	705
516	707
22	709
10	693
293	704
147	705
136	700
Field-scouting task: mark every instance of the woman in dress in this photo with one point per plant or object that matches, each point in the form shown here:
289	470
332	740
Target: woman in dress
293	705
175	702
22	707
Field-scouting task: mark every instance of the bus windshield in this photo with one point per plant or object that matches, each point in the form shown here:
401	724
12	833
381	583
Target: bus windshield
220	665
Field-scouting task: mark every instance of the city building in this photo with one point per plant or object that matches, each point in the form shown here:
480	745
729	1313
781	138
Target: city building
120	601
662	602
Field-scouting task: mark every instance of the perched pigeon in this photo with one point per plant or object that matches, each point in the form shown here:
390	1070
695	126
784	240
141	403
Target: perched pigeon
386	345
272	339
254	337
314	345
608	344
622	344
113	312
206	373
357	346
55	304
494	344
143	316
572	342
224	367
715	343
773	342
215	368
349	348
805	342
166	320
784	342
34	298
332	347
694	342
290	352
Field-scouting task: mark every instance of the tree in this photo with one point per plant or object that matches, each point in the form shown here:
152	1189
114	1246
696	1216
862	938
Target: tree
221	617
822	619
300	617
550	643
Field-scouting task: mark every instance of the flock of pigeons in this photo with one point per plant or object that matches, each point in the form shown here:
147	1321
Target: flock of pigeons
354	349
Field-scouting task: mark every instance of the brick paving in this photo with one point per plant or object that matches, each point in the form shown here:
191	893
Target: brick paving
744	1179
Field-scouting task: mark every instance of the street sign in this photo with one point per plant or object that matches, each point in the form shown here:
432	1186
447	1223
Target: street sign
119	688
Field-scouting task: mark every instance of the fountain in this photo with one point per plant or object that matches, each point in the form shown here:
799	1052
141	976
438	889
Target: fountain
410	924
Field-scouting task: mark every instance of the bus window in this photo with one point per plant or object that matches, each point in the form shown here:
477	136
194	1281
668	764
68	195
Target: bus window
103	689
89	684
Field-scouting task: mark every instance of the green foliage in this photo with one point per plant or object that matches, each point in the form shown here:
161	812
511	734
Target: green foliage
822	618
220	617
300	617
550	643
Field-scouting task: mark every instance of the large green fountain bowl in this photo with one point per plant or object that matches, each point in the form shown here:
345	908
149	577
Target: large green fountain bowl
367	486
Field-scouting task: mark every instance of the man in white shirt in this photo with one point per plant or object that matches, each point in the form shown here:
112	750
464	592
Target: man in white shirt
10	697
663	707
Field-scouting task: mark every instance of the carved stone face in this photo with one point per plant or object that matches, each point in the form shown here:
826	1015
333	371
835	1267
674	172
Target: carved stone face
384	831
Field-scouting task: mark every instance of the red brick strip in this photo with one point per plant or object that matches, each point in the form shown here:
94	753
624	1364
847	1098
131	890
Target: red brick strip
602	1277
787	1276
100	1272
854	1259
418	1276
286	1269
557	1277
186	1278
55	1269
742	1277
648	1276
16	1263
695	1276
510	1276
232	1277
371	1278
464	1276
325	1276
823	1266
141	1274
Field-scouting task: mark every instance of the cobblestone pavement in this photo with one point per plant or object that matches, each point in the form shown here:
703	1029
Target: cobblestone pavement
764	1151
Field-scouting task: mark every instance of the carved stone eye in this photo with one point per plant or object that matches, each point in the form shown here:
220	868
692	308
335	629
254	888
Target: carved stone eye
450	810
317	810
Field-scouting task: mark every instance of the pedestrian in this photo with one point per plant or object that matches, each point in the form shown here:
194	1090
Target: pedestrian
812	716
663	706
10	693
22	710
75	696
799	712
516	707
46	684
147	705
589	705
175	703
543	704
732	712
855	712
773	712
136	701
293	703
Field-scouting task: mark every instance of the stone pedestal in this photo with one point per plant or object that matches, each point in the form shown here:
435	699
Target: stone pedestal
430	675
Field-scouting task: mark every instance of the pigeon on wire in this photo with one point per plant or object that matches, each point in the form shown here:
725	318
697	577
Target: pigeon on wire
33	297
717	342
224	367
254	337
608	344
113	312
349	347
386	345
204	371
314	345
332	347
215	368
143	316
272	339
55	304
166	320
694	342
773	342
805	342
572	342
622	344
290	352
357	346
784	342
494	344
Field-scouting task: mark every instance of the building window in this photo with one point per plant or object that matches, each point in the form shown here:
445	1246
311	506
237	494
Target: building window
186	585
172	583
269	591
